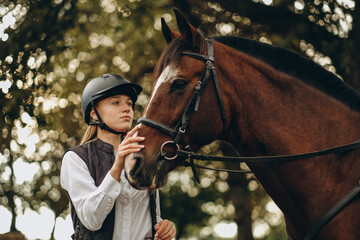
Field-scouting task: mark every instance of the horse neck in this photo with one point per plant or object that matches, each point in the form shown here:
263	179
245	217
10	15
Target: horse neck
280	115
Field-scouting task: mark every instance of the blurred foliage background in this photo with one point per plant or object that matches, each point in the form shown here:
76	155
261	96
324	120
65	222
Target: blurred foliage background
49	49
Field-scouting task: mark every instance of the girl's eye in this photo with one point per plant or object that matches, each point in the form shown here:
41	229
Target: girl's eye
178	84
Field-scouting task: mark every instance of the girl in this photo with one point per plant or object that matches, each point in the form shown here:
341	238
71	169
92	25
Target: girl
103	204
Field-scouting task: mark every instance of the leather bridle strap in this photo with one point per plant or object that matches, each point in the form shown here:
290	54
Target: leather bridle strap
281	158
193	105
158	126
187	164
206	59
332	212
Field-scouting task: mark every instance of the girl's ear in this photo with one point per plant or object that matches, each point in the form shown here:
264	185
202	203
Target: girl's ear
93	115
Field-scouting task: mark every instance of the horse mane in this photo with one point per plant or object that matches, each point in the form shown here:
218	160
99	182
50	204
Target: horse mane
297	66
281	59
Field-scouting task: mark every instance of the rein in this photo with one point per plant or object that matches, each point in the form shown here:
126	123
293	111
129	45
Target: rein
180	129
281	158
320	223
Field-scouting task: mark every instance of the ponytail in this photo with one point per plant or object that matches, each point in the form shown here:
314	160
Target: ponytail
90	134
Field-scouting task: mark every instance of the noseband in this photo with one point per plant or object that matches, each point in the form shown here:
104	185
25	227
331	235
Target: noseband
180	129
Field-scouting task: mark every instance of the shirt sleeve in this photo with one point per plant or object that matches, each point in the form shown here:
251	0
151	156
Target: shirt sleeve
92	204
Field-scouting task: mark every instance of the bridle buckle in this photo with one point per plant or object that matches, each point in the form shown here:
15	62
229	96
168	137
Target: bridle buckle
182	130
164	153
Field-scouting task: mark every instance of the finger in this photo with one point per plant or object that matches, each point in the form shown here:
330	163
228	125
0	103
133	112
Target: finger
173	233
131	140
167	231
156	226
129	151
136	139
129	146
162	227
168	235
121	156
123	151
132	132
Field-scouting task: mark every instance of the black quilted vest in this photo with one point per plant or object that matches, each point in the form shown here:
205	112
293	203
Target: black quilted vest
99	157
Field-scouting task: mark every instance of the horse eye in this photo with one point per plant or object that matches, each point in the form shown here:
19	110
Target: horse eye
178	84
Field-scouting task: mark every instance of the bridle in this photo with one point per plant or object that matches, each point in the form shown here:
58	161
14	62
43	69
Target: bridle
178	132
180	129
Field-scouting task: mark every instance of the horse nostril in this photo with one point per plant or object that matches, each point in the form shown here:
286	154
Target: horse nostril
136	168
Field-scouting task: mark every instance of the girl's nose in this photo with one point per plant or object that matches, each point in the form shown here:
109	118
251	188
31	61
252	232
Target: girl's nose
126	108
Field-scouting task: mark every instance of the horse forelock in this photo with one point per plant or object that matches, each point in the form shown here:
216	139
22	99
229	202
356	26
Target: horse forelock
172	53
301	68
166	67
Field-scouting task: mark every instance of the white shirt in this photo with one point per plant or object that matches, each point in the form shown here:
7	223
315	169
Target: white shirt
93	204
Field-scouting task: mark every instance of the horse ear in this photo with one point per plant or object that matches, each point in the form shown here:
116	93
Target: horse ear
169	34
188	32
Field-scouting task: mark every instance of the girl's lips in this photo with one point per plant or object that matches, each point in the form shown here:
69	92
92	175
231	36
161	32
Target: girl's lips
126	117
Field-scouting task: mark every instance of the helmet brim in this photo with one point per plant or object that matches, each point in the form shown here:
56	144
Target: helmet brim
130	90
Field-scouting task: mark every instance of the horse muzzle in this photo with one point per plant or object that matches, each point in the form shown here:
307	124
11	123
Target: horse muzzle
143	174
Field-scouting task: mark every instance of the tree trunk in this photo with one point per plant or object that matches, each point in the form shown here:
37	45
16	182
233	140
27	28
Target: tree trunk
240	197
11	195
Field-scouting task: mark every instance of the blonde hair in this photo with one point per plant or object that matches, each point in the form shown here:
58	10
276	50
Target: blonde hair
90	134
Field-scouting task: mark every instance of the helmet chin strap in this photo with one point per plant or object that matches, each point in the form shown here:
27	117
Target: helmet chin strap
101	124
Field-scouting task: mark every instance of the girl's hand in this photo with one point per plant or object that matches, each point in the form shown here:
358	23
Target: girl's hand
165	230
127	146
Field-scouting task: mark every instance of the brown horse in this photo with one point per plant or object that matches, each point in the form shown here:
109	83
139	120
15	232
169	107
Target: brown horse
268	101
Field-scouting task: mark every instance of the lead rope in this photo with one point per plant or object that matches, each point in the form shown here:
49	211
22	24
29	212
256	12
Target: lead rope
152	206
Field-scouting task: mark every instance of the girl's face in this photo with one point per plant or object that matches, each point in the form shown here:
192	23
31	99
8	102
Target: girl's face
116	112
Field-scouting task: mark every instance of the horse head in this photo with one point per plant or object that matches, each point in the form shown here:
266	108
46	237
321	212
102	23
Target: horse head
174	118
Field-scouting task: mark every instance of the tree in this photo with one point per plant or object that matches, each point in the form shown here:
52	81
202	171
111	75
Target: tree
26	48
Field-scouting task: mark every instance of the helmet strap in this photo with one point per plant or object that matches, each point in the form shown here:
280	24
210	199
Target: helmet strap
101	124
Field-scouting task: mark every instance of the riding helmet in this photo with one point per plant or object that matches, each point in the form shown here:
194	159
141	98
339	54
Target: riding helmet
104	86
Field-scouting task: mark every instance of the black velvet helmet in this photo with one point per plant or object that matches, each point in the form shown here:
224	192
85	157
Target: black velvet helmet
104	86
